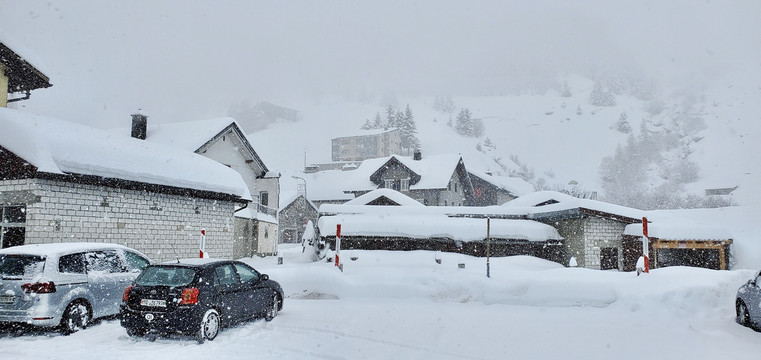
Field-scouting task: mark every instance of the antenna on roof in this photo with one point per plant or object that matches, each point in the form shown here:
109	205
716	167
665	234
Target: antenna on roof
175	252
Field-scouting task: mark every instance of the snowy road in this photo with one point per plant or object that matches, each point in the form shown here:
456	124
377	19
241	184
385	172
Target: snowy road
404	306
357	329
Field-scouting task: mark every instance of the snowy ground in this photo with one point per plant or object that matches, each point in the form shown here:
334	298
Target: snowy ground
404	305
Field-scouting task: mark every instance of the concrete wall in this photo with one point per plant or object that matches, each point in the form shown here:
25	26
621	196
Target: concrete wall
584	239
162	226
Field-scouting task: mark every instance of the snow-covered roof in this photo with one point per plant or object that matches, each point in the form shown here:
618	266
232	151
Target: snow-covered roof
680	230
54	249
435	171
515	186
330	184
379	221
391	194
22	51
188	135
287	197
551	201
249	213
62	147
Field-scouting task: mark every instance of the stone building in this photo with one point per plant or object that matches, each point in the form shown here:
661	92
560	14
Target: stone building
223	141
435	180
64	182
592	230
294	215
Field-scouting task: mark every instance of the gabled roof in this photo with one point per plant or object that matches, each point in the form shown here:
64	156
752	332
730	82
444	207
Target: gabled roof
22	75
289	197
195	136
387	196
553	204
63	148
432	172
514	186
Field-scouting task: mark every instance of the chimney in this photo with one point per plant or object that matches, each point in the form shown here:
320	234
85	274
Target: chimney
417	155
139	126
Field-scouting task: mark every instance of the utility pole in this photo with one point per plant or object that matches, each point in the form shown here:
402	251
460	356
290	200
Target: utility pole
488	245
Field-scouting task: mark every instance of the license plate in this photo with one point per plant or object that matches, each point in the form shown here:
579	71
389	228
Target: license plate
7	299
153	302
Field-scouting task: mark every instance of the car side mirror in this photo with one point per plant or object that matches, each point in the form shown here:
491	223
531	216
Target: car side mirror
265	277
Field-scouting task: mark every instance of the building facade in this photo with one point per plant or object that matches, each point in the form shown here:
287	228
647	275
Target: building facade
373	144
163	225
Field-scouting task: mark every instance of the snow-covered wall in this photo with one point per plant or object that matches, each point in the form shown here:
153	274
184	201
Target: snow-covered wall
162	226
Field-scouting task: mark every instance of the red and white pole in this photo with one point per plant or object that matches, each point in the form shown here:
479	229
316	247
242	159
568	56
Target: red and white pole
645	245
338	245
203	242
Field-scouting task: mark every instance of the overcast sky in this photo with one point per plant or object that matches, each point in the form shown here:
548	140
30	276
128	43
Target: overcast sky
187	60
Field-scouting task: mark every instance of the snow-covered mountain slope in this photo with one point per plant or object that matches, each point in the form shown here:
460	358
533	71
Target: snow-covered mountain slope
558	135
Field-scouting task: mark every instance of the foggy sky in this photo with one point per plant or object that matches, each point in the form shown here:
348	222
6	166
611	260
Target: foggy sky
188	60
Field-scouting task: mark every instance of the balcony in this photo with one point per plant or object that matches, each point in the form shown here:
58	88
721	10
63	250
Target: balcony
266	210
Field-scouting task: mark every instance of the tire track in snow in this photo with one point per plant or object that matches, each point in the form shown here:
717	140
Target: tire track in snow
313	330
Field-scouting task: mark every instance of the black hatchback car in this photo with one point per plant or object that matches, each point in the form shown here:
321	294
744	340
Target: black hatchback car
197	297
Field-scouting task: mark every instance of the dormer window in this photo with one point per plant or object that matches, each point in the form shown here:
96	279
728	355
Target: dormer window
405	184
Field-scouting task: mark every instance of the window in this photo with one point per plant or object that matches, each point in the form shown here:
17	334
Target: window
21	267
72	264
104	261
12	225
246	273
388	183
135	262
405	184
225	275
264	198
455	187
165	276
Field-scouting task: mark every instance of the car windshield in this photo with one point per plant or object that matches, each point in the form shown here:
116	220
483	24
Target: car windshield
165	276
21	266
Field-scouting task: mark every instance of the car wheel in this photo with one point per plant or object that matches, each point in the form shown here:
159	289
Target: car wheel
272	308
135	332
76	317
210	325
743	316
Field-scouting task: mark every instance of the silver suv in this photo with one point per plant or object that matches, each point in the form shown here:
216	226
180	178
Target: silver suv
66	284
748	303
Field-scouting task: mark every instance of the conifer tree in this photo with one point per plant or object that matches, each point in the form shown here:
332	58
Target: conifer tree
408	129
464	123
377	123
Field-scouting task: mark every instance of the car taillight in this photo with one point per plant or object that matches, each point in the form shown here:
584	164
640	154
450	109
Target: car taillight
189	296
125	295
39	288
